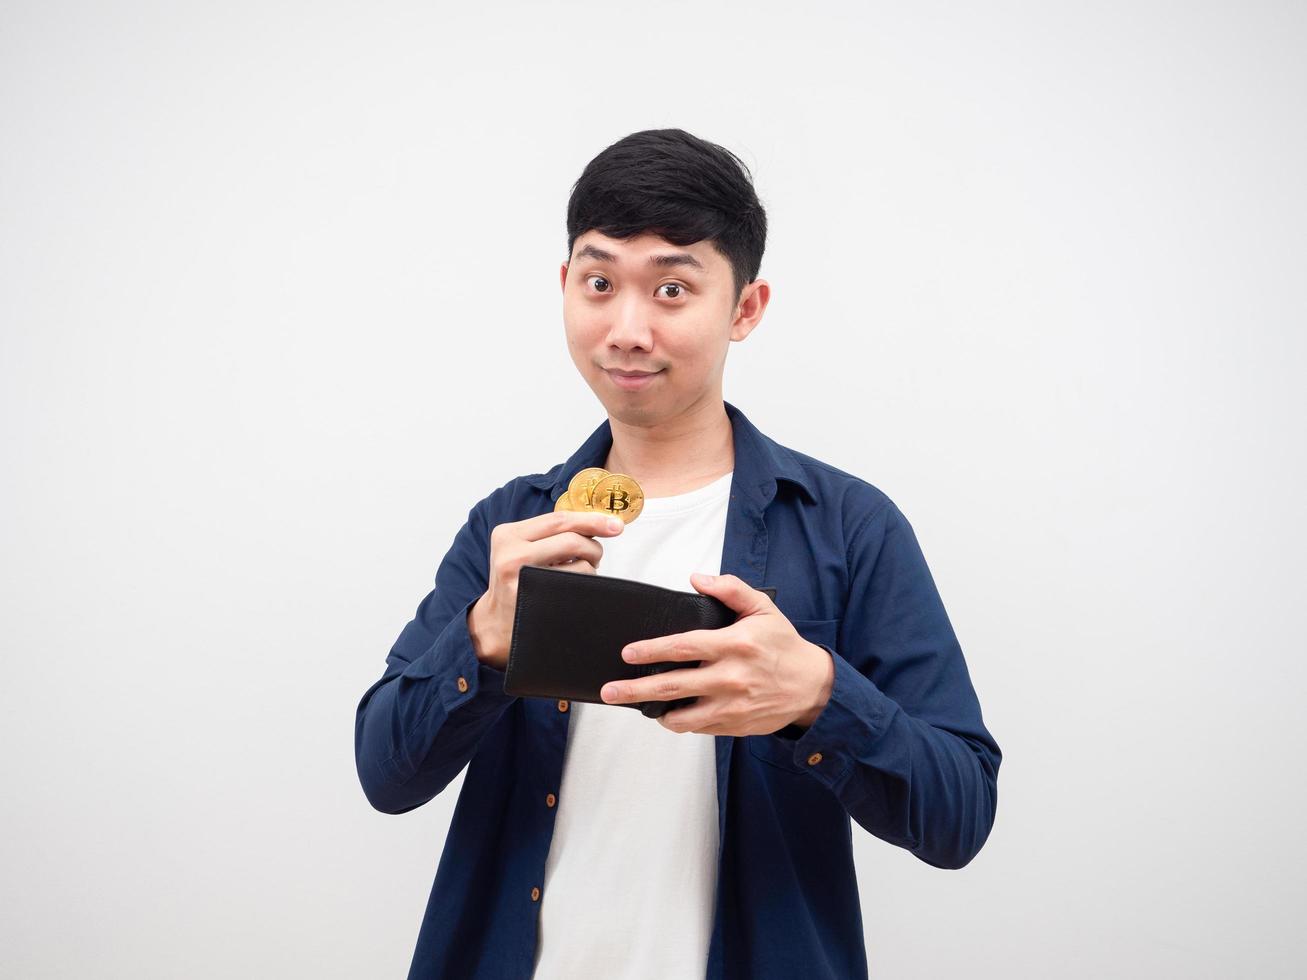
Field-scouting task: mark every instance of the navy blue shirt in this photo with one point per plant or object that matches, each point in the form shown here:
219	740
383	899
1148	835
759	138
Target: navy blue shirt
900	748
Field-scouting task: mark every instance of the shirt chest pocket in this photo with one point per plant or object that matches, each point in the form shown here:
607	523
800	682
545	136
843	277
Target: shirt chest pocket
771	748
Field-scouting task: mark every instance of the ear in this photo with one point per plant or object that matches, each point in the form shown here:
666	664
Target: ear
749	310
562	277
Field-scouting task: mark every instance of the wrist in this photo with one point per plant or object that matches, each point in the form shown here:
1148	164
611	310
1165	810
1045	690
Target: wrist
822	681
484	648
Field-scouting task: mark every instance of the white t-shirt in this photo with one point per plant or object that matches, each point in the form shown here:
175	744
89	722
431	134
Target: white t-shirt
632	867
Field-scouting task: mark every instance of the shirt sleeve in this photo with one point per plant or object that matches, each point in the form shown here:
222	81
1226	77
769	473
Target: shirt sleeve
901	741
419	725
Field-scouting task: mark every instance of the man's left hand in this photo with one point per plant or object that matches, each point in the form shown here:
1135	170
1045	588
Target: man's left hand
757	675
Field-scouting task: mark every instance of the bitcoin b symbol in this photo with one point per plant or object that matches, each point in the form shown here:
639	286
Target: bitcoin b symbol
618	499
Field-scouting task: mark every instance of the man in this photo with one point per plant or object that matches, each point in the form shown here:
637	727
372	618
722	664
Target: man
590	840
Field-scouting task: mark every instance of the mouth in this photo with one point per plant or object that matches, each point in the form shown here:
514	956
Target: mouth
632	380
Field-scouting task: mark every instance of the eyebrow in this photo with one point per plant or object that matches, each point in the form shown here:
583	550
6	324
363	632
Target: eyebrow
666	260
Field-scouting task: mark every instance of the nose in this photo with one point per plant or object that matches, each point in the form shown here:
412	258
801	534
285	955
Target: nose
629	328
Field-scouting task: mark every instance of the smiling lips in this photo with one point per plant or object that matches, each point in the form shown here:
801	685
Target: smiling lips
632	380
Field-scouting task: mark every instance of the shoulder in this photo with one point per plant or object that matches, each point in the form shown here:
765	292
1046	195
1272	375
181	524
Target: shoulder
859	502
514	499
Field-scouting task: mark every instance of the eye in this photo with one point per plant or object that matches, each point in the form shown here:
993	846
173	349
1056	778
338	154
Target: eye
673	285
601	279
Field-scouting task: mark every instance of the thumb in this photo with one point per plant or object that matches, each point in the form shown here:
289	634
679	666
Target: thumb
738	594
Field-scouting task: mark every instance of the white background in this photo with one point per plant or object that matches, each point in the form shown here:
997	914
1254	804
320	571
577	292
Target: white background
279	295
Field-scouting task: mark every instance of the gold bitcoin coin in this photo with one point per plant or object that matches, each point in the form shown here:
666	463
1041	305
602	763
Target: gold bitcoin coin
580	486
564	502
618	494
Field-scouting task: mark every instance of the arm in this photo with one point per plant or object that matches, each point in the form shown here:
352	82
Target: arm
901	738
415	730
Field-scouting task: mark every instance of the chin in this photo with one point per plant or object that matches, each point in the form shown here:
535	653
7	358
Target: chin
641	413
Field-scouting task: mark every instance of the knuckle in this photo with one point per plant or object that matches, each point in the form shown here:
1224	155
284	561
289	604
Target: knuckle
737	680
505	570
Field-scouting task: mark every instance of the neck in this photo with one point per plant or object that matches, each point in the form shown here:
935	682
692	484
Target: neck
675	455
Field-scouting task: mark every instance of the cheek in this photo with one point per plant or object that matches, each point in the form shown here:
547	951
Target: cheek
586	327
582	335
692	352
582	338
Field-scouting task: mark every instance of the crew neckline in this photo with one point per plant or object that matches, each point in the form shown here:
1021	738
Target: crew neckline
679	503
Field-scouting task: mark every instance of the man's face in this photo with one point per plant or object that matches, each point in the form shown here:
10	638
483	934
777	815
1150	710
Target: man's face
643	304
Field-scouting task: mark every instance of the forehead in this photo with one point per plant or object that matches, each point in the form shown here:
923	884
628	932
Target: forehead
637	250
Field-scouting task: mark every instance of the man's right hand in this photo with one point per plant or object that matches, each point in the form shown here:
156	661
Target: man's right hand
561	539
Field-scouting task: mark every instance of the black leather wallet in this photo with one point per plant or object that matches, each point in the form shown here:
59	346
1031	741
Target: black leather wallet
569	629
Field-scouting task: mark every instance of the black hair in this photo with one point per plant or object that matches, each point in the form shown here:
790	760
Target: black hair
678	186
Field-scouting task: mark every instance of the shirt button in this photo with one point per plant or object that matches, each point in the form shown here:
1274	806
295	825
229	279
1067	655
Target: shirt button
551	799
814	758
562	705
462	683
535	894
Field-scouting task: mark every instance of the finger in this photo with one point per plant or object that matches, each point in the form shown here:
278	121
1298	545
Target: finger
690	645
577	565
734	591
666	686
560	547
691	718
589	523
